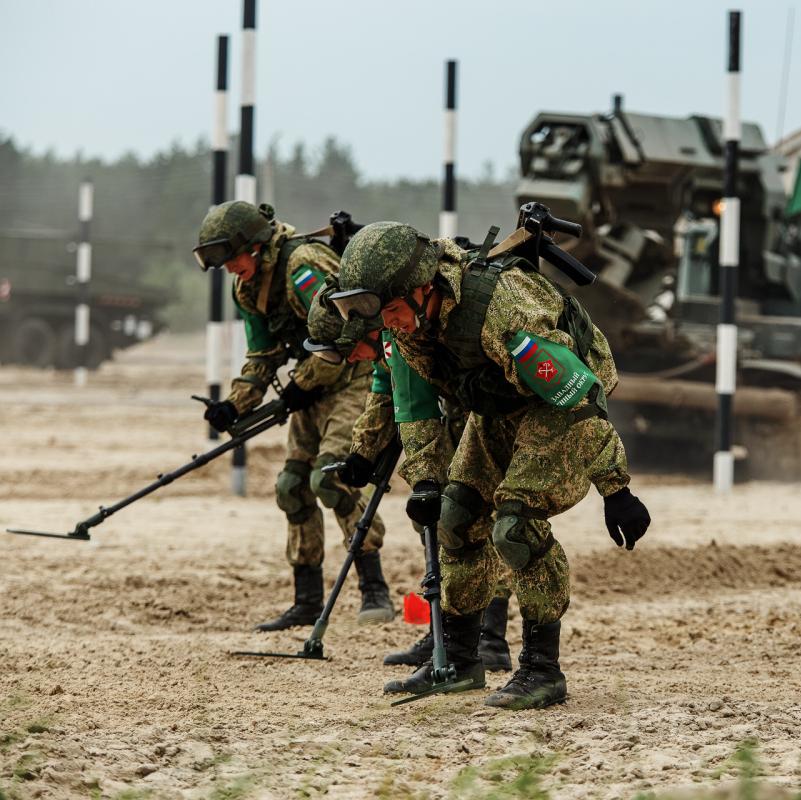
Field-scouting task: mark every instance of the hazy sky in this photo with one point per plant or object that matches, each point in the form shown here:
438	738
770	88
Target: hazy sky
110	76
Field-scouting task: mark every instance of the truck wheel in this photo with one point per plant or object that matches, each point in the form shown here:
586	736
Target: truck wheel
33	342
67	358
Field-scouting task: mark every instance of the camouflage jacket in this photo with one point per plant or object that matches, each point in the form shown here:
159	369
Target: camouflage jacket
522	301
274	304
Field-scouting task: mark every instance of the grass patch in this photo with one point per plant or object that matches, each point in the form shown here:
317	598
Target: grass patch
127	794
507	778
234	791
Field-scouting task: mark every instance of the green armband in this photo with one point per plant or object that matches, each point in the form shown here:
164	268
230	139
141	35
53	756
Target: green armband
413	397
551	370
307	281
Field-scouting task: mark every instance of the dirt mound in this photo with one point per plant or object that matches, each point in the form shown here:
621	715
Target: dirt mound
650	571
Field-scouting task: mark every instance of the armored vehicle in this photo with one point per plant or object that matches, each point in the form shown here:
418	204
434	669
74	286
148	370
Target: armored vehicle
647	191
38	297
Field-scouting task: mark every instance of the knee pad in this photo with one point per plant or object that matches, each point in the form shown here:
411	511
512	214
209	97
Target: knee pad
516	545
292	493
331	492
462	506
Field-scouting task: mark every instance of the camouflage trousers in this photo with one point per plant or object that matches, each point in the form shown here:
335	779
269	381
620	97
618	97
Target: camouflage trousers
318	436
537	458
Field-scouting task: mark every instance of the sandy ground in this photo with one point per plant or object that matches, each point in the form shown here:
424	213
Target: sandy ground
115	678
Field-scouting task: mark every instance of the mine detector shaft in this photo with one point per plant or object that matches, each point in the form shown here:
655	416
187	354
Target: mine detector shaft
646	190
263	418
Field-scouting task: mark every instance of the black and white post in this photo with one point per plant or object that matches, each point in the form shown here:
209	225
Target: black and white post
244	189
447	216
83	274
723	467
219	155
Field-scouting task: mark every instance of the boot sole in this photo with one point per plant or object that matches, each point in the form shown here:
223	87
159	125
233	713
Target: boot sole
521	704
375	616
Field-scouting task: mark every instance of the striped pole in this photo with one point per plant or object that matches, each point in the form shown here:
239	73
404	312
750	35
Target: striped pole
723	466
219	146
244	189
83	274
447	217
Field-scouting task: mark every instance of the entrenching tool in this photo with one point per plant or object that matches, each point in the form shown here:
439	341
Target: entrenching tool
382	474
258	421
443	673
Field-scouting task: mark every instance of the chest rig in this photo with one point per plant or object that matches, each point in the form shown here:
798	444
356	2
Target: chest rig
481	385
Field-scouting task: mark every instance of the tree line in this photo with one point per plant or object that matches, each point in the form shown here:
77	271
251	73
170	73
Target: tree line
147	211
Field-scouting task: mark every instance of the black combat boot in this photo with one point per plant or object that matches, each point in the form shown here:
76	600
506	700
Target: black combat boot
538	682
414	656
461	647
376	605
308	601
493	648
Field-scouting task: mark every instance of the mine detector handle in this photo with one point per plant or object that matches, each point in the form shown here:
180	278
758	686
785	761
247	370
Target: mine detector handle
258	421
536	218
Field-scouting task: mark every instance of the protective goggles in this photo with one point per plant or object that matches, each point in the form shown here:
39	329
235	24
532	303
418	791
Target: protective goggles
214	254
356	304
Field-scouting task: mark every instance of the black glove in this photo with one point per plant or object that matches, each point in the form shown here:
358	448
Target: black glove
625	516
297	399
356	471
221	415
424	503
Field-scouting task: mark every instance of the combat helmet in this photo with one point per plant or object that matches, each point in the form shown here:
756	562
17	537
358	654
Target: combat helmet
383	260
332	339
229	228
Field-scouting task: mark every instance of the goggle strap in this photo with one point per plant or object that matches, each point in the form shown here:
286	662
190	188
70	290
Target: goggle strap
404	273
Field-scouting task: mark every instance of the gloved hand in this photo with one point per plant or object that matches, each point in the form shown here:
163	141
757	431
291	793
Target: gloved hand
297	399
625	516
221	415
424	503
356	471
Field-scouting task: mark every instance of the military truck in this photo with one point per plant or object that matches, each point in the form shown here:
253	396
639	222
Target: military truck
38	297
647	190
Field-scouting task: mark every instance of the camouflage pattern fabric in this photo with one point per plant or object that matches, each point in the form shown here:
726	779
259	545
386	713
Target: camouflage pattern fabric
375	427
534	456
378	256
326	428
284	312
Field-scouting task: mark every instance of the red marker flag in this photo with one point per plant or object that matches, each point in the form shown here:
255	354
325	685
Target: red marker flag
416	611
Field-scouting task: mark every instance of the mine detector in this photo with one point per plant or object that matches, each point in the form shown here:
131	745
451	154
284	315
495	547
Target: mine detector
646	190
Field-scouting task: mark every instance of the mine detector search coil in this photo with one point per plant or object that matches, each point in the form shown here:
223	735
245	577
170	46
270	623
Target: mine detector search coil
532	240
382	474
262	419
442	673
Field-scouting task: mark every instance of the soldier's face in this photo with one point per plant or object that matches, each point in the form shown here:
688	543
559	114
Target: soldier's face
399	315
366	350
244	265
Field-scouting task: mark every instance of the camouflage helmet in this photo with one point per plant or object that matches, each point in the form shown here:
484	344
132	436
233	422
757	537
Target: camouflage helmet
383	260
331	338
231	227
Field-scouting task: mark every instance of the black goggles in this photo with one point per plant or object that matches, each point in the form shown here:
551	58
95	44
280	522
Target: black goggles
214	254
356	303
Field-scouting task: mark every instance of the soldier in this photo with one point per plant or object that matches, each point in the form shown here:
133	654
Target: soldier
527	361
398	395
277	275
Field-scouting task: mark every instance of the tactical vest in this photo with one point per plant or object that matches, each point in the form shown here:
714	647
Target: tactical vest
481	384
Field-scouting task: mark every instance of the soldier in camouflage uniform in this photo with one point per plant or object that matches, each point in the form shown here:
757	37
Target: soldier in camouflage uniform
278	274
534	371
399	395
